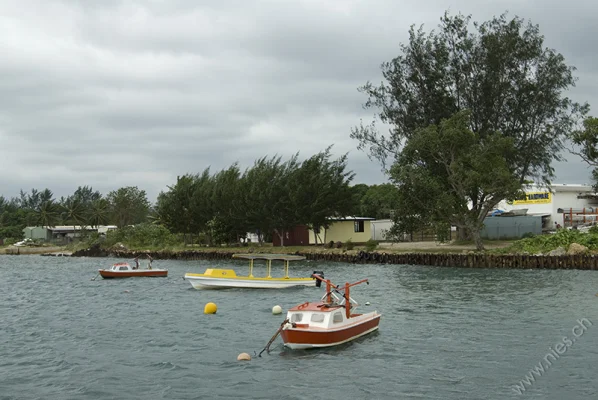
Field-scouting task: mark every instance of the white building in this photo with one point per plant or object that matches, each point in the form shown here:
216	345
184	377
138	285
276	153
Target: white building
563	204
379	229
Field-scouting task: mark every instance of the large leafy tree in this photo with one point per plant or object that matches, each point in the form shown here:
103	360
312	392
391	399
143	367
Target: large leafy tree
86	195
586	139
450	176
379	201
128	205
499	70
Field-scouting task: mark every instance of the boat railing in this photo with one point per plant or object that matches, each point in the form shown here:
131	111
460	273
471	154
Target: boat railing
344	291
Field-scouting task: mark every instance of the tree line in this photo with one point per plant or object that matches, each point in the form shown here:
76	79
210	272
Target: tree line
268	198
85	207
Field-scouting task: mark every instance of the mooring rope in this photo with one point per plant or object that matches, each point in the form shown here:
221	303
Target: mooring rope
267	348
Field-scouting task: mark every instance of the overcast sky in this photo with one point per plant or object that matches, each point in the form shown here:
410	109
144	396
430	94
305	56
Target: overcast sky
113	93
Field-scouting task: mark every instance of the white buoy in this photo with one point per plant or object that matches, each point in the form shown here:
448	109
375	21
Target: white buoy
367	303
276	310
243	357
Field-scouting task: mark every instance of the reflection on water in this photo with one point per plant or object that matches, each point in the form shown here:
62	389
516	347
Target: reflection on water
445	333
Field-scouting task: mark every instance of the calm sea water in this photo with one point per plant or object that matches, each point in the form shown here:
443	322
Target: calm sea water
445	333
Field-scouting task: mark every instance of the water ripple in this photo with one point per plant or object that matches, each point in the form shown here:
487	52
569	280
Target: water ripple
446	333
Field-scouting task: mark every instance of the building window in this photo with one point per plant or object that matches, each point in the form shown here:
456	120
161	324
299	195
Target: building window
358	226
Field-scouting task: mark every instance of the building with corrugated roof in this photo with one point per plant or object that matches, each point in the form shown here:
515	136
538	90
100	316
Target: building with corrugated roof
61	233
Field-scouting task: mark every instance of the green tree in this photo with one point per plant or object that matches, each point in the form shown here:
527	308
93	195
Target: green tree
358	192
175	205
499	70
321	190
268	203
98	212
450	176
30	203
229	221
73	212
202	208
12	219
587	140
128	205
48	213
379	201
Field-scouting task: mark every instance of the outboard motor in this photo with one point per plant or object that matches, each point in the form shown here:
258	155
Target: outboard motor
321	275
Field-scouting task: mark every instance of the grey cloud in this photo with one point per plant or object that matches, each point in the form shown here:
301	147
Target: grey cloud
116	93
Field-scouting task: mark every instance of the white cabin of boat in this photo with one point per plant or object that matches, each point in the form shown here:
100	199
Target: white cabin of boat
122	267
317	315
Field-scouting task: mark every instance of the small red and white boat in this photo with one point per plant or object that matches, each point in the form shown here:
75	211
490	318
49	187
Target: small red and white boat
328	322
124	270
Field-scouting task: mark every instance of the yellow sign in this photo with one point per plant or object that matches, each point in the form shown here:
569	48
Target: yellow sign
535	198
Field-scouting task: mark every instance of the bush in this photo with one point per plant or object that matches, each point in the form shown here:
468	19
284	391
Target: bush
144	235
545	243
371	244
10	241
349	245
338	244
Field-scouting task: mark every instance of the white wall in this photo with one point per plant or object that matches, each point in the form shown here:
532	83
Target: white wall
562	196
379	228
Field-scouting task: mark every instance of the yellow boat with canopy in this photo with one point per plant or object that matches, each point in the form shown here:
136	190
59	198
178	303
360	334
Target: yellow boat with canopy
216	278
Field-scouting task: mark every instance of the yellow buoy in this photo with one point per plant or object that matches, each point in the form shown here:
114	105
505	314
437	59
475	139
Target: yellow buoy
243	357
210	308
276	310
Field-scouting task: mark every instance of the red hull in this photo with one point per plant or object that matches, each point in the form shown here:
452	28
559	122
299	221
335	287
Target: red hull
306	337
130	274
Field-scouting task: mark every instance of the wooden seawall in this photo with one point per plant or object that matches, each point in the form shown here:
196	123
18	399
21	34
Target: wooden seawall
579	261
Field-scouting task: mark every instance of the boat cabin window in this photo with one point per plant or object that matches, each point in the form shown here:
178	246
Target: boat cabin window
337	317
296	317
317	318
123	268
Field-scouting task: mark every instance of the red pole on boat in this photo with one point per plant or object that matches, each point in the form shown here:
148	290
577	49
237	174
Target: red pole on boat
347	302
358	282
328	291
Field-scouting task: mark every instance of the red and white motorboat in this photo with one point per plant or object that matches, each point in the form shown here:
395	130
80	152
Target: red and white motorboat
124	270
328	322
